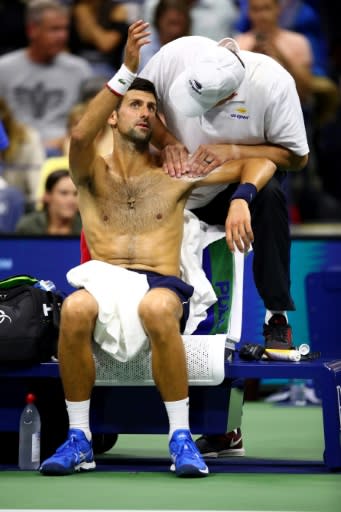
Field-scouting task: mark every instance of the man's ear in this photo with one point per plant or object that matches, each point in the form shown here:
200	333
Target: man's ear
113	119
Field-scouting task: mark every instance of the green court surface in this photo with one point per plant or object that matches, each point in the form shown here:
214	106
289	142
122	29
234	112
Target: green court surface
270	432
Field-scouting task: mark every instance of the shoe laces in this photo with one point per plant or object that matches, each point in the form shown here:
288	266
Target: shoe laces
184	444
72	443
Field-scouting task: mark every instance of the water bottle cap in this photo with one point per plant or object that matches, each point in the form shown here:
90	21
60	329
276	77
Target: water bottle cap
304	349
30	398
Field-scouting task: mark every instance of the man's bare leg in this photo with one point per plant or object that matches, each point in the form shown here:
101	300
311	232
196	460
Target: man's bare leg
160	312
77	369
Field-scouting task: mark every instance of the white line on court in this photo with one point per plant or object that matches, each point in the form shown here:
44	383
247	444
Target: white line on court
125	510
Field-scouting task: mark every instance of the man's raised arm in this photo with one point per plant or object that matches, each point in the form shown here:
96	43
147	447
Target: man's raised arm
82	147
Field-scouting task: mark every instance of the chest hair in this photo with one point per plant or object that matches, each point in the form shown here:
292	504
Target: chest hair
137	204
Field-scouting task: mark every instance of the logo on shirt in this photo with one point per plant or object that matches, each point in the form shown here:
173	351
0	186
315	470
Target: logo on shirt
38	99
196	86
240	113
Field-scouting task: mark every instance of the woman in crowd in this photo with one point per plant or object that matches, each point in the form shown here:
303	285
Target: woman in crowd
60	215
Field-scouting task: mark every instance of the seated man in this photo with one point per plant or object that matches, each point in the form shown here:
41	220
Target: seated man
133	217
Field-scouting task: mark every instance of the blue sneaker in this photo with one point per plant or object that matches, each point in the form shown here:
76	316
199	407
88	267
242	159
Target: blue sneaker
75	454
186	458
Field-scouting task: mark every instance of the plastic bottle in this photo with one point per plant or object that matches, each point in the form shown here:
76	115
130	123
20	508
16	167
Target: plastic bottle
48	286
29	435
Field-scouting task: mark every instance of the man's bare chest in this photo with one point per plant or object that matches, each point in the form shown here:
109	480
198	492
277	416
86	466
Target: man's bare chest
138	204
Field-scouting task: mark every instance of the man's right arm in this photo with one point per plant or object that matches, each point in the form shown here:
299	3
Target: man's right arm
82	148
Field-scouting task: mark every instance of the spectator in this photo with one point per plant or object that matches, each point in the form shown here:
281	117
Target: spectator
60	214
24	156
299	16
42	82
304	18
289	48
210	18
171	20
98	33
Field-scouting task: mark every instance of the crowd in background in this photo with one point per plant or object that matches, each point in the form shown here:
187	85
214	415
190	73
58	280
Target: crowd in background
51	67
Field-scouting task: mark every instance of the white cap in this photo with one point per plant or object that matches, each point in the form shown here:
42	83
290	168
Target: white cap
214	76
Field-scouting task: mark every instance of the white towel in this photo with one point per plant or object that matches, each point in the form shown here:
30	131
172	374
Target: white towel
118	292
195	239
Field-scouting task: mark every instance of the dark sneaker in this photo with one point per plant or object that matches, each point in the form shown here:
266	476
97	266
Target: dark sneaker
74	455
221	445
186	458
277	333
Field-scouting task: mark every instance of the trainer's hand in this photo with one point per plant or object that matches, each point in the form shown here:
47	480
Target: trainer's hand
209	156
174	158
137	37
238	226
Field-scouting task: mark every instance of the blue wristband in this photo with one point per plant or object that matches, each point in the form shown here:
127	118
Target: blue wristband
246	191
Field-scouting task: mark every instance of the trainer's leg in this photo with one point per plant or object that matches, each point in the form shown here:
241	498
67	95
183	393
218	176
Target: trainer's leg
271	247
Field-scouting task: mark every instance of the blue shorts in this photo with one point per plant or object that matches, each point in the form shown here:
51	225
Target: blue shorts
183	290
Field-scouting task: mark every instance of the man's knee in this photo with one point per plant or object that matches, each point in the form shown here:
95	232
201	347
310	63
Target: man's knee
79	309
160	311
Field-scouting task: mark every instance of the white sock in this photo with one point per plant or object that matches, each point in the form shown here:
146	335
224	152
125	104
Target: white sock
271	313
79	416
178	415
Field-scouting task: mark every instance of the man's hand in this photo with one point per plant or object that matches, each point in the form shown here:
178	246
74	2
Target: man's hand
174	158
209	156
238	226
137	37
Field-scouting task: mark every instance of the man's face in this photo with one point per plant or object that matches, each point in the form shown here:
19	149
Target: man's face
51	34
263	14
62	201
136	116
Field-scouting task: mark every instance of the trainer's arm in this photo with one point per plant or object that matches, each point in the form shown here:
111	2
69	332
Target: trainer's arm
82	145
256	171
176	162
217	154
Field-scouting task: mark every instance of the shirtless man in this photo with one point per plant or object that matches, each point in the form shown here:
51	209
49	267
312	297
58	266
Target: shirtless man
132	215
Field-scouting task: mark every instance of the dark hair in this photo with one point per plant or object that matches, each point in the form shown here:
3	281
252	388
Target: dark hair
54	177
141	84
165	5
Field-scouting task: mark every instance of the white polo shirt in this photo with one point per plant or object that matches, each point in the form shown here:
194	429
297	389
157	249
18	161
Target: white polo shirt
266	108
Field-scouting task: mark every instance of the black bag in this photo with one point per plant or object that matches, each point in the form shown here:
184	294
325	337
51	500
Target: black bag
29	321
